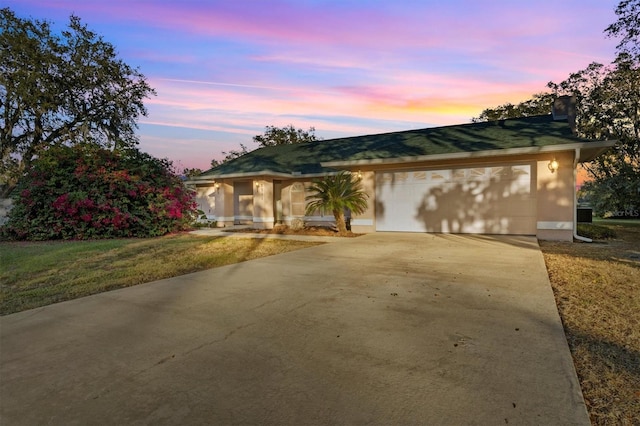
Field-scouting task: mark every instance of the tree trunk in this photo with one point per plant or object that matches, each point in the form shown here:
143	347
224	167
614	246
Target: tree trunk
340	223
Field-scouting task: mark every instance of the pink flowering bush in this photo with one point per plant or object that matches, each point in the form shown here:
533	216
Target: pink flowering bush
83	192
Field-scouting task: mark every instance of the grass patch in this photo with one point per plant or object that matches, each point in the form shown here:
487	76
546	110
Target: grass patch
596	232
40	273
597	289
622	223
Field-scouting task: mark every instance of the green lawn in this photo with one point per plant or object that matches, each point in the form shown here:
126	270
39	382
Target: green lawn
35	274
632	223
597	289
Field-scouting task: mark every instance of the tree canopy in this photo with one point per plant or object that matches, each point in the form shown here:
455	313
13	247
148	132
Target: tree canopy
608	103
627	27
63	88
191	172
285	135
272	136
230	155
607	107
539	104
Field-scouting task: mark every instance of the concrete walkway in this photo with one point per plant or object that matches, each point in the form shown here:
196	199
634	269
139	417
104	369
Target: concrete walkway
224	232
384	329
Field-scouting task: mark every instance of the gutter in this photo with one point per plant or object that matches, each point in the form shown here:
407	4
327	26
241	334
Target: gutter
213	178
575	200
598	145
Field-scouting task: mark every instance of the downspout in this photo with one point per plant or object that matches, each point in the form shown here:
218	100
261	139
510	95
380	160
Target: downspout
575	200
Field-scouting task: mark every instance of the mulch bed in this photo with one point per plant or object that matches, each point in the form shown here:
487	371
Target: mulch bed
318	231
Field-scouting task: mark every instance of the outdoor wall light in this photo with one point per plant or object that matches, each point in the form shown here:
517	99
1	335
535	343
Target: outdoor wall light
216	185
553	165
359	175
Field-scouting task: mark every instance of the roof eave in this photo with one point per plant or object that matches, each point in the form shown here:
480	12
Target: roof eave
589	152
593	148
211	178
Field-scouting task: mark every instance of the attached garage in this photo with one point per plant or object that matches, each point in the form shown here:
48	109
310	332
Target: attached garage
515	176
496	199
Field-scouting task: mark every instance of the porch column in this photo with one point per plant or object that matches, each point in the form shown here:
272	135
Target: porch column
224	204
263	214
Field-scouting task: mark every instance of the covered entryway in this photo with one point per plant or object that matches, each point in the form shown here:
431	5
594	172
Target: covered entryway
497	199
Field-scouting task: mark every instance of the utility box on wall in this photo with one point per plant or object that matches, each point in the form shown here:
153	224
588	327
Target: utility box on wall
585	215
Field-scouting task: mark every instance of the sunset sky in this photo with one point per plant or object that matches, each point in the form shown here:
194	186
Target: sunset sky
224	70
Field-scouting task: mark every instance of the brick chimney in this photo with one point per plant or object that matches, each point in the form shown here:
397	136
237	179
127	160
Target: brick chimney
564	108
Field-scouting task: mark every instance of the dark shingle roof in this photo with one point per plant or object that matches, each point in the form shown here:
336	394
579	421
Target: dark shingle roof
306	158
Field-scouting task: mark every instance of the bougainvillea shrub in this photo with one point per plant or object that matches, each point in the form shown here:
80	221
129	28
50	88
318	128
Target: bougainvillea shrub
83	192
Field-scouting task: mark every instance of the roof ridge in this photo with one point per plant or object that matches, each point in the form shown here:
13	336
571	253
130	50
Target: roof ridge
447	126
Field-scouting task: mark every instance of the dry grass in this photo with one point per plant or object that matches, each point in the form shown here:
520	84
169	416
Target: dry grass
40	273
597	289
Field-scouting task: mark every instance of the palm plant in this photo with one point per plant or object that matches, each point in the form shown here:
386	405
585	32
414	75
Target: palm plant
337	193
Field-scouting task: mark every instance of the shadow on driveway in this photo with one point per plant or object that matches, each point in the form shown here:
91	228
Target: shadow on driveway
387	328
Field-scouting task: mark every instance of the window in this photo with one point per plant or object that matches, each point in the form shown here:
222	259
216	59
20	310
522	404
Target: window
298	203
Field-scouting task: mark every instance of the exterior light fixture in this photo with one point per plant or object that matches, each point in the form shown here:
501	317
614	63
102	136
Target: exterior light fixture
553	165
216	185
359	175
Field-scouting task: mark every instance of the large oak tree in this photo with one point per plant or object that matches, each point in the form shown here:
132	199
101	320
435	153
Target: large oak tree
59	89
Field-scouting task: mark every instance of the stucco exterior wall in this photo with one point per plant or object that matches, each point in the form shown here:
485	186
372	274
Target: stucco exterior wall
285	198
365	222
216	202
263	212
224	204
292	201
556	195
253	202
242	196
206	200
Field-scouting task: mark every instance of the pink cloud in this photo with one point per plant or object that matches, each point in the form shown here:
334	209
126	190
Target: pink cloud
460	25
222	108
232	67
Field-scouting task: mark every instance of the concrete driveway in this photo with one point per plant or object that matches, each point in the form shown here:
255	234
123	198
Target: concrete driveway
388	328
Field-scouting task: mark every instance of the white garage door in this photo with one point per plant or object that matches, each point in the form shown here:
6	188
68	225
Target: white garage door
478	200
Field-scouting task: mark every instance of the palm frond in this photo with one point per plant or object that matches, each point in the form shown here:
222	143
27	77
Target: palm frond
337	193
